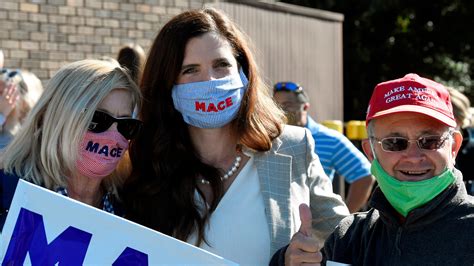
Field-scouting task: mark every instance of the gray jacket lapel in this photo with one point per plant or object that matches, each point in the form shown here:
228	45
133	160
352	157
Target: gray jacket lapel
274	171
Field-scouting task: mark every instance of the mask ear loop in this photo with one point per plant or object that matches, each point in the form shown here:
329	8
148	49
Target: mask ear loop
372	148
451	141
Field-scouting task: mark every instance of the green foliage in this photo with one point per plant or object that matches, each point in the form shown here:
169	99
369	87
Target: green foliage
386	39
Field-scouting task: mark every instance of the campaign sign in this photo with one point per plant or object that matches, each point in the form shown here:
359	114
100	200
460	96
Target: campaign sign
46	228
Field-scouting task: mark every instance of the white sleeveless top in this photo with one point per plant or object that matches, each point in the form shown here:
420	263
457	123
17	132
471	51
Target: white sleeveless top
238	229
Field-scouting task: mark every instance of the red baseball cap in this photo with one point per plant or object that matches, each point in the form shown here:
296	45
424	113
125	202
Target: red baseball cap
411	93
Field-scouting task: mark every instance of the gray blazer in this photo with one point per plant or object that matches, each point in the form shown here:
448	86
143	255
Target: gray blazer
290	174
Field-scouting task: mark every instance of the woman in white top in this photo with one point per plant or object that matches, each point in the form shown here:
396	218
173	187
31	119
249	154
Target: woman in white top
214	165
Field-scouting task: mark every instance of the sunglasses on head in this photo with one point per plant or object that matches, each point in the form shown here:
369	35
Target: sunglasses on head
9	74
287	86
128	127
395	144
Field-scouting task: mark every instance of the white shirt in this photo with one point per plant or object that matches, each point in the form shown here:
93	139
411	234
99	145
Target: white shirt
238	229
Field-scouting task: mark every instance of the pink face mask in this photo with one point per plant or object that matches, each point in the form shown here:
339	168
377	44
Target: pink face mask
99	153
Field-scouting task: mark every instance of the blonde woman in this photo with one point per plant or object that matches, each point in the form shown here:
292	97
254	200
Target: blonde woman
76	135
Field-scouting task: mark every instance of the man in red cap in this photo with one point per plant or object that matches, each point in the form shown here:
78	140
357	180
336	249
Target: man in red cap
420	213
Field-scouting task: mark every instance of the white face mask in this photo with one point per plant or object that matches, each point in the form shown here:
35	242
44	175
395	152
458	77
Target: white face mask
212	103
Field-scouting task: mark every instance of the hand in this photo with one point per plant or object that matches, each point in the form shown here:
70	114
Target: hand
303	248
9	96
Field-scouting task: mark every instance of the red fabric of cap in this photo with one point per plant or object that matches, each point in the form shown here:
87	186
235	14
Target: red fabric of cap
411	93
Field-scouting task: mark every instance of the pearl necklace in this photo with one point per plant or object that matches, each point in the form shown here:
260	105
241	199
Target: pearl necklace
229	173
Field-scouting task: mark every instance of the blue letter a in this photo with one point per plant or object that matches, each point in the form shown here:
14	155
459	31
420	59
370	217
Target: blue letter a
131	256
29	236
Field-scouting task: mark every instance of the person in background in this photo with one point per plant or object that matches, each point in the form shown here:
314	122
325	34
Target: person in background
463	116
215	165
19	91
337	154
75	136
421	213
132	57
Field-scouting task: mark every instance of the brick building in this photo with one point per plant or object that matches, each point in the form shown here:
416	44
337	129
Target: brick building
291	43
42	35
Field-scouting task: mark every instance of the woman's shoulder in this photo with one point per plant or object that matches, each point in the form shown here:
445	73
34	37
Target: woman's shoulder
292	140
293	137
357	226
7	180
293	133
8	183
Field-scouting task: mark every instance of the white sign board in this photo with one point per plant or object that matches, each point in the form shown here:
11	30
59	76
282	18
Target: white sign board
45	228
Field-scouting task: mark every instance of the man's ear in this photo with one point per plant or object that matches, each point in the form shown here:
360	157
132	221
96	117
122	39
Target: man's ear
457	142
367	149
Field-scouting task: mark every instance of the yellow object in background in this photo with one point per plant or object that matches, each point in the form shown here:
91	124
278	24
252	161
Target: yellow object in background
355	130
352	130
362	130
334	124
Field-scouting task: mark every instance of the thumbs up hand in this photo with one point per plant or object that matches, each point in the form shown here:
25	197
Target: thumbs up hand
303	248
306	220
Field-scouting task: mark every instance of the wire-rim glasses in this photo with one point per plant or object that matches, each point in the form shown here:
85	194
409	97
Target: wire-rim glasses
398	144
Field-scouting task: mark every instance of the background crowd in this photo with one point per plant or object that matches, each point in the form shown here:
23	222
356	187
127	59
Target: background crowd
188	140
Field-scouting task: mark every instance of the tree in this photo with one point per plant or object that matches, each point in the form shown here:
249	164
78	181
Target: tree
386	39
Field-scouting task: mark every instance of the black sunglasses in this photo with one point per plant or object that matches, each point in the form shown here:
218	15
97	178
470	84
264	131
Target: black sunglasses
128	127
287	86
395	144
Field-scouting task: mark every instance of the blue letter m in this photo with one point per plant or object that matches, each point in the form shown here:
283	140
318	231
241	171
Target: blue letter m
29	236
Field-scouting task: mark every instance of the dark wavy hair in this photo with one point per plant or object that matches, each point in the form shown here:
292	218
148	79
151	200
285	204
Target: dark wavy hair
160	191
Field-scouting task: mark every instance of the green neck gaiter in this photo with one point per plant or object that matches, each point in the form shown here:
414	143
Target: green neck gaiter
405	196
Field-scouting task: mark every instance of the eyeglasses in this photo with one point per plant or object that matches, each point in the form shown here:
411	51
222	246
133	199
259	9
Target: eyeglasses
287	86
396	144
128	127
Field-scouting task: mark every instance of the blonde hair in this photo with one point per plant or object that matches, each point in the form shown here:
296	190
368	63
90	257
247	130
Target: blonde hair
461	105
45	150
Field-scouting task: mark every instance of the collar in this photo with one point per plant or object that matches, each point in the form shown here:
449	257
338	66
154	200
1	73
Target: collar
106	199
312	125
